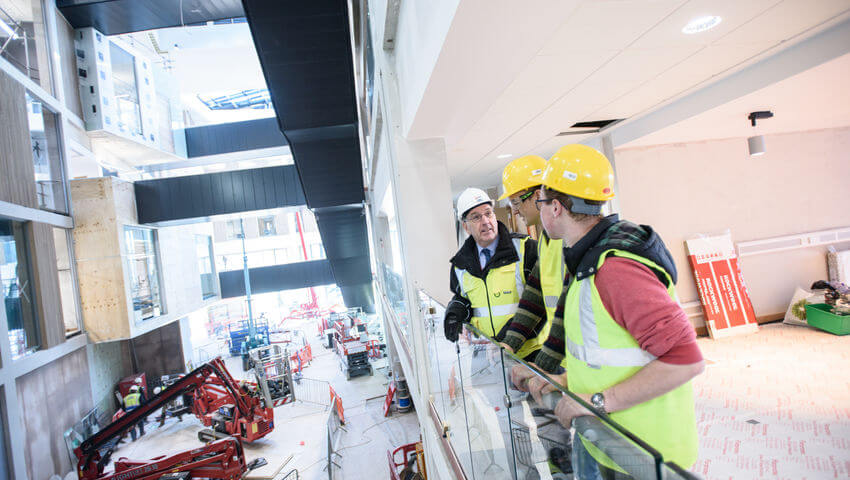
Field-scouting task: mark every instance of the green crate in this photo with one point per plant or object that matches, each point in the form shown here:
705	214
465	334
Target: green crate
819	316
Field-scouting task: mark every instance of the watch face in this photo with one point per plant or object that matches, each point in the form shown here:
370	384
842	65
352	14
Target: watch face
598	401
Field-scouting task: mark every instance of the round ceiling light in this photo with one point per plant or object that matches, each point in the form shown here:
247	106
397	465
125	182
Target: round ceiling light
701	24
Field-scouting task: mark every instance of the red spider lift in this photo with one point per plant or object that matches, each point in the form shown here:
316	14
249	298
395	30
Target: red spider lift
230	408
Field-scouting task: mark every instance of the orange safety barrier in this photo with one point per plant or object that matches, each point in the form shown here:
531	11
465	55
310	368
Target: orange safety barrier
339	409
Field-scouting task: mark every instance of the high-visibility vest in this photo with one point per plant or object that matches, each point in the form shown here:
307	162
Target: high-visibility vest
600	353
550	261
494	299
132	400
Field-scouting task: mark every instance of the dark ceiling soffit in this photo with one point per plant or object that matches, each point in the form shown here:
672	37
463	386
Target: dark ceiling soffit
220	193
113	17
233	137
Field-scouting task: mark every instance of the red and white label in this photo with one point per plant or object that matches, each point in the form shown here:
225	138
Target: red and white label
725	301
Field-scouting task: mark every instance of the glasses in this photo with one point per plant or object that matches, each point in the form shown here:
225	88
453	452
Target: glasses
543	200
475	218
522	198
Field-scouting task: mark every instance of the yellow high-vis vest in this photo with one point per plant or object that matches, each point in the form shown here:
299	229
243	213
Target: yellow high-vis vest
550	261
600	353
494	299
132	400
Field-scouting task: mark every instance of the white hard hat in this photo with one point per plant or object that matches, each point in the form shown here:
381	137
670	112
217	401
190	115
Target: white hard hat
471	198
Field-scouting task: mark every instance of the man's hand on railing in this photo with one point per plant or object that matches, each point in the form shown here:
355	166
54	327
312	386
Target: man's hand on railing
568	409
506	347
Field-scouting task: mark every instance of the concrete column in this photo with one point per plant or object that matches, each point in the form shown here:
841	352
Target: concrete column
425	213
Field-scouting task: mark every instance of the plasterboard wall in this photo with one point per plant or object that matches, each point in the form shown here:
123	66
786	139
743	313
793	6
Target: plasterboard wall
799	185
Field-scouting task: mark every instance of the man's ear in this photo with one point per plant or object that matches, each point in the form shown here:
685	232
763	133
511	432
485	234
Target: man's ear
465	227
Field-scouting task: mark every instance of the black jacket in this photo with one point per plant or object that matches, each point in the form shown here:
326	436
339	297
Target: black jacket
467	257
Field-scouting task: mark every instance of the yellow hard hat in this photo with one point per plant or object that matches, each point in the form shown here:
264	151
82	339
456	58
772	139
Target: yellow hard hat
580	171
521	174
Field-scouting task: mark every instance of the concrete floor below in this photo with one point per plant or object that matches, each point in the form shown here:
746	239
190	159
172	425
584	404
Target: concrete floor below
299	438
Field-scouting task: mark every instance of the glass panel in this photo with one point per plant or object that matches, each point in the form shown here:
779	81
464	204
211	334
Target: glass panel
126	90
267	227
203	247
18	294
545	448
143	271
482	380
23	40
67	282
46	156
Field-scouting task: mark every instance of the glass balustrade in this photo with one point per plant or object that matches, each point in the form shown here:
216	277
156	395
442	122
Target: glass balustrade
499	430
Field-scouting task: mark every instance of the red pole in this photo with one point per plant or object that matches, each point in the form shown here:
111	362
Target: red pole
304	250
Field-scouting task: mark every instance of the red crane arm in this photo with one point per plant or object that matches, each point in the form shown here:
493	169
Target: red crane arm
87	452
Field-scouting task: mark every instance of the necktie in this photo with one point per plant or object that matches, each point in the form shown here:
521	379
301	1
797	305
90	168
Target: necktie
486	253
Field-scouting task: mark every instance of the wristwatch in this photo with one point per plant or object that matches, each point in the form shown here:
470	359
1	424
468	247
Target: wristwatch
598	402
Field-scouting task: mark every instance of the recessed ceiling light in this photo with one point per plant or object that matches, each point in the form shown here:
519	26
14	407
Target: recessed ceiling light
701	24
505	155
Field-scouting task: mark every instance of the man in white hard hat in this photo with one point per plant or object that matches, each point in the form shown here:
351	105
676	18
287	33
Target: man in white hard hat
488	273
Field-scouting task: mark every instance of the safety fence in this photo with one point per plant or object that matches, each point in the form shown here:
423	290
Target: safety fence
335	430
312	391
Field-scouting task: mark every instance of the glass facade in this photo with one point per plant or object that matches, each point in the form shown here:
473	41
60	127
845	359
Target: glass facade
46	156
142	268
18	293
23	40
204	248
126	90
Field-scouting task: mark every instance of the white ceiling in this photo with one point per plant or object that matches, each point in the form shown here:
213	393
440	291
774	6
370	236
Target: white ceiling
588	60
816	99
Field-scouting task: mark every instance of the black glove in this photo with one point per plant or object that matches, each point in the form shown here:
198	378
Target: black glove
457	313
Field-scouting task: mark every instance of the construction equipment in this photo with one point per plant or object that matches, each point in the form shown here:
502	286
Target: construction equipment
218	401
351	350
222	459
274	375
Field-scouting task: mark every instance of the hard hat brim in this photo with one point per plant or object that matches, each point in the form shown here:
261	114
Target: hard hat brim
489	202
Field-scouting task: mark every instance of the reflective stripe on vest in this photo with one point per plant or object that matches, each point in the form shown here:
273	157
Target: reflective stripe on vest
601	353
132	400
494	300
591	352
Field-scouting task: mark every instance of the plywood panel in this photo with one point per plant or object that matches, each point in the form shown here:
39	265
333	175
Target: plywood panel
17	182
46	282
52	398
103	299
100	272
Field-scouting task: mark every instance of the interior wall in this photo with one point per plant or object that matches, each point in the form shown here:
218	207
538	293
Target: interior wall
158	353
68	56
798	186
53	398
110	362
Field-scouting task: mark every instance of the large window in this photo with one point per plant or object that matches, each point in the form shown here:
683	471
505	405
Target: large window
18	292
67	280
267	227
46	157
23	40
143	270
203	246
126	90
234	229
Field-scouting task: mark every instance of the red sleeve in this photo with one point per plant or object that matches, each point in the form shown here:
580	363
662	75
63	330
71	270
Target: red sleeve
639	303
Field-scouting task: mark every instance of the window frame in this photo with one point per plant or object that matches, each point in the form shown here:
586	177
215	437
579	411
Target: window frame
61	150
125	254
